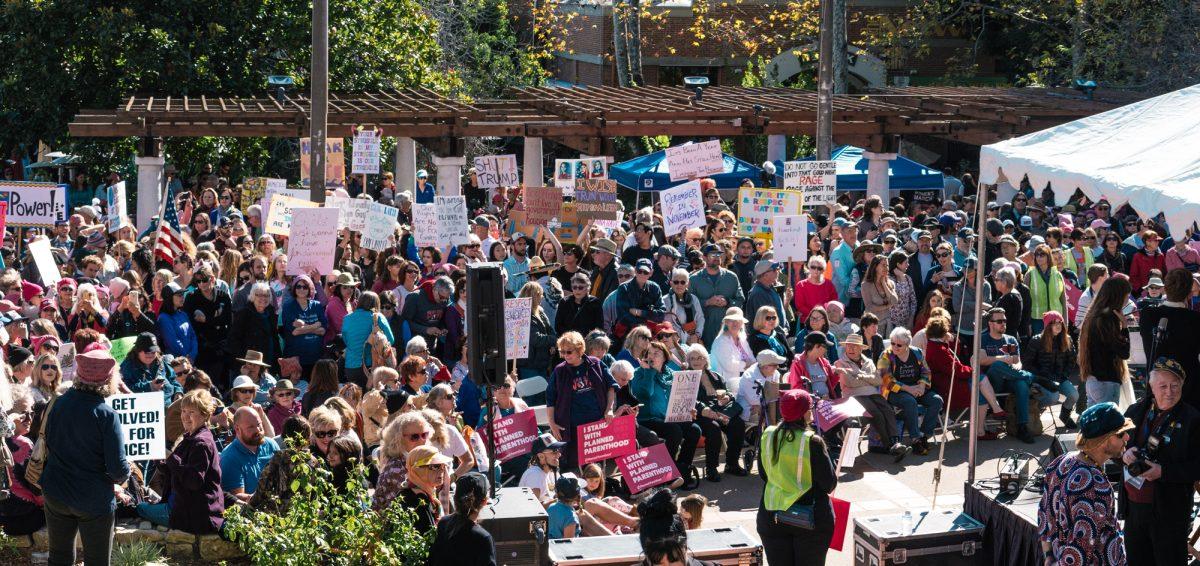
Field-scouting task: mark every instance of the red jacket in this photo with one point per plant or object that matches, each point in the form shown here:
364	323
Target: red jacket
942	361
1139	271
799	370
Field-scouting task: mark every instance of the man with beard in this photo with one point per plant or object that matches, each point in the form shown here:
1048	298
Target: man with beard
1178	341
744	258
542	473
717	288
643	247
258	274
242	462
517	263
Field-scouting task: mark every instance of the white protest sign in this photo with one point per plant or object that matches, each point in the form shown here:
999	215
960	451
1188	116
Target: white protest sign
425	225
279	187
342	204
816	179
44	260
279	221
694	160
497	171
452	220
381	226
356	213
66	361
34	204
791	237
366	152
143	419
682	208
313	241
565	173
685	385
116	206
517	314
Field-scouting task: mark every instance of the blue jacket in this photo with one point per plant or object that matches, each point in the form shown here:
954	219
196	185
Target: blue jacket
424	193
654	389
178	336
86	448
648	299
356	327
138	377
307	346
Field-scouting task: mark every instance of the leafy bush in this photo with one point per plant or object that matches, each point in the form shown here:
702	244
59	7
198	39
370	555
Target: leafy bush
323	526
136	553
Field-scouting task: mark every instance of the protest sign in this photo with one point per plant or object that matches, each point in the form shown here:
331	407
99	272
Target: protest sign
566	227
44	260
647	468
279	220
425	225
121	347
695	160
828	414
117	211
564	174
356	213
453	226
601	441
517	314
497	171
596	199
3	217
313	241
542	204
932	196
279	187
66	361
381	226
335	163
685	385
514	435
791	237
34	204
253	190
366	152
682	208
342	204
592	168
143	419
756	207
816	179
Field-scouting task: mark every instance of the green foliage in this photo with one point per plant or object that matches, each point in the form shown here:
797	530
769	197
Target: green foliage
137	553
9	553
323	526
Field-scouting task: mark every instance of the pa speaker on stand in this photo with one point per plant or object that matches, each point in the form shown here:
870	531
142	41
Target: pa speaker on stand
485	324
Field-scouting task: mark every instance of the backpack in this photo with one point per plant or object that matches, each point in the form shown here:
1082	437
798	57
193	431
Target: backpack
377	351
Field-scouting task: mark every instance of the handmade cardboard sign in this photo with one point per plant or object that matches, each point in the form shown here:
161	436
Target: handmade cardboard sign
143	420
695	160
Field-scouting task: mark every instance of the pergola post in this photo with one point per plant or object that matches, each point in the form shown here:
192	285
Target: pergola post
777	151
449	174
406	164
878	183
533	173
150	169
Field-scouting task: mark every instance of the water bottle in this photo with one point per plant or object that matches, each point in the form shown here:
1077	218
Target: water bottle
906	522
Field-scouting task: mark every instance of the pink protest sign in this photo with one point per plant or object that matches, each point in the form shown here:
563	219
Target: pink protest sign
600	441
828	414
647	468
514	435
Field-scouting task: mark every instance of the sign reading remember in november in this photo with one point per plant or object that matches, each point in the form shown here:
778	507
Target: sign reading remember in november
695	160
682	208
143	421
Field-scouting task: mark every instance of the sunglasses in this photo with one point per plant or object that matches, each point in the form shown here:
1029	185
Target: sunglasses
413	437
433	467
568	352
624	276
325	433
303	288
943	254
772	318
579	287
49	367
286	394
999	321
684	282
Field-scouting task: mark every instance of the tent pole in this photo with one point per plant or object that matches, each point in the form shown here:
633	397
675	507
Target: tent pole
981	201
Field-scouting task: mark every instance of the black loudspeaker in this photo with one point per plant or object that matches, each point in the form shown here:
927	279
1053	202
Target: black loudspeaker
485	323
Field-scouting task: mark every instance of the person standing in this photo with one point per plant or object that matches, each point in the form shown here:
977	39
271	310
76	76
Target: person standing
581	391
1078	493
1104	343
460	541
1157	503
717	288
1179	340
786	449
86	458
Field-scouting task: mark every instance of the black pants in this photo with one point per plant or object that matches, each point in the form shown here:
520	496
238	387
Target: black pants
735	434
681	440
95	532
1153	538
793	546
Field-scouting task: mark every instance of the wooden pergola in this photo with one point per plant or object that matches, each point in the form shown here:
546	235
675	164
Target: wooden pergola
587	118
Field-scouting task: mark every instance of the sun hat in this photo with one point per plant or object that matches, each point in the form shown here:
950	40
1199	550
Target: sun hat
854	339
285	385
734	313
243	382
346	279
603	245
426	455
254	357
769	358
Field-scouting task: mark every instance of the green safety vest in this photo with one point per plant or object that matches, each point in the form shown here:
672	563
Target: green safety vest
789	476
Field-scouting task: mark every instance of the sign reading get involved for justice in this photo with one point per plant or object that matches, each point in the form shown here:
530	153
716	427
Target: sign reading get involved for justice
143	420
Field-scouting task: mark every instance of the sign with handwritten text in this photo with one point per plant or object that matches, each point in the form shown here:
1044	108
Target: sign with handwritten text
497	171
682	208
425	225
453	228
816	179
517	315
313	241
34	204
685	386
366	152
596	199
143	420
542	204
695	160
380	227
279	219
791	237
756	207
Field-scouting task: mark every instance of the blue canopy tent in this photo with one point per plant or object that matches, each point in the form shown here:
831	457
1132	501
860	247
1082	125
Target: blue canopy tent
904	174
649	173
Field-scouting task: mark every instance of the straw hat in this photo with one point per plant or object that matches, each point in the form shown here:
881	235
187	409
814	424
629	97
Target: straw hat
255	358
346	278
735	313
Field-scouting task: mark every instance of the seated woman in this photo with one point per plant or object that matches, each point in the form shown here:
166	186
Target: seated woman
274	492
400	437
652	386
1050	357
144	369
731	353
767	335
944	366
21	513
717	414
818	321
193	501
427	487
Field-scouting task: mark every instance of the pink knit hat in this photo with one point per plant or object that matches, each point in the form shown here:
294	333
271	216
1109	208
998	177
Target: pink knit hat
1051	317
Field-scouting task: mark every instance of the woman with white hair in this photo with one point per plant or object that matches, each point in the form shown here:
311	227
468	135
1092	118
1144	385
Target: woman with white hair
87	312
684	310
717	413
907	383
731	353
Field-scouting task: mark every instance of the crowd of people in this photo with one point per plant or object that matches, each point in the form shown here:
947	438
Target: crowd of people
262	371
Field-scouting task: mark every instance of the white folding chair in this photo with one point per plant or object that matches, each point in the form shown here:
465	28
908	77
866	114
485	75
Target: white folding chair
532	386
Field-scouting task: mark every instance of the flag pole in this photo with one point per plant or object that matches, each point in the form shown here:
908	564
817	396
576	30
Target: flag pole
162	208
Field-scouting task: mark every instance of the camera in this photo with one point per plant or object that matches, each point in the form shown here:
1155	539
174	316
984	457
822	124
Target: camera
1145	457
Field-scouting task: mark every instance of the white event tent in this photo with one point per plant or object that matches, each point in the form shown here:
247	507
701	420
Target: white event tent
1146	154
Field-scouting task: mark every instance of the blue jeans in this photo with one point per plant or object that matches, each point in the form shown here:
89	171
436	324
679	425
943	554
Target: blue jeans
909	411
1068	390
1007	379
1102	391
157	513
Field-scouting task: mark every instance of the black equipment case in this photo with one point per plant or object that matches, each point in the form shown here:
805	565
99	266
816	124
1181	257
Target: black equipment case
944	537
517	523
728	546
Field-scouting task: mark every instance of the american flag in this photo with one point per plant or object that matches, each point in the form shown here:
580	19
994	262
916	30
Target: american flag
168	242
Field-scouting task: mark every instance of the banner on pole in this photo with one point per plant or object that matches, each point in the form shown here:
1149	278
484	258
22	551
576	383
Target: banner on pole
313	241
493	171
143	420
366	152
695	160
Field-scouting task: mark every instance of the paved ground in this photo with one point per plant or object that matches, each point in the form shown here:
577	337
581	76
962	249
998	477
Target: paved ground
876	486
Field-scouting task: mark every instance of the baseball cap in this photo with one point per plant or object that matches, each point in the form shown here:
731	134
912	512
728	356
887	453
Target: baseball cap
763	266
644	265
966	233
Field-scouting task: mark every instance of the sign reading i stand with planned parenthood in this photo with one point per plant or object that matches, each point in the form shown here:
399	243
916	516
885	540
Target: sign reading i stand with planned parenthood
34	204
